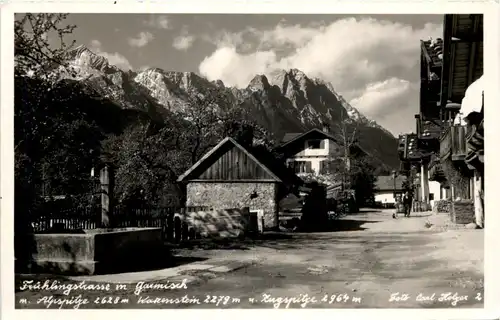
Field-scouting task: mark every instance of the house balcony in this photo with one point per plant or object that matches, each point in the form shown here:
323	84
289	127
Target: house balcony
436	172
475	147
453	143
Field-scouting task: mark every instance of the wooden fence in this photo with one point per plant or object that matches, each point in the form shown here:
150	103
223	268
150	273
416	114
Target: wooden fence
66	219
170	219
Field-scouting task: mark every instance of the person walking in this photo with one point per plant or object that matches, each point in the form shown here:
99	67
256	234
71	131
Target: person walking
407	202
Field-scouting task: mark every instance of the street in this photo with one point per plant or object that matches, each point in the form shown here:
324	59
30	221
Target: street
371	261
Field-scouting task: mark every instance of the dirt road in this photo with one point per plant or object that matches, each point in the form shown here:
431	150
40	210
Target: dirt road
371	261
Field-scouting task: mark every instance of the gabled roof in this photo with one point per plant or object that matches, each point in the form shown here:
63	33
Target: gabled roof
386	183
285	174
292	137
277	170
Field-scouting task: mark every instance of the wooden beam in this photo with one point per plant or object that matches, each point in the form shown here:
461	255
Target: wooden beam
445	75
468	39
451	72
425	53
473	52
458	157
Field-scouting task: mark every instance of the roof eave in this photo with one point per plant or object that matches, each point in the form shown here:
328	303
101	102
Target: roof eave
300	136
182	178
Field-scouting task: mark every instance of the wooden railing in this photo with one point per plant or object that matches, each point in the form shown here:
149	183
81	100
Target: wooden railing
170	219
453	143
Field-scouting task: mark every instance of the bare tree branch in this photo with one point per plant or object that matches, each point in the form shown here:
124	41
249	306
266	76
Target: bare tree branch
33	52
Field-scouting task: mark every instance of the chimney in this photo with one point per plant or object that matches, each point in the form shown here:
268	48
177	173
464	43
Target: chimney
245	136
326	127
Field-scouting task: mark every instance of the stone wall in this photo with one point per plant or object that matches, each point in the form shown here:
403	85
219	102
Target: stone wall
220	223
255	195
462	212
97	251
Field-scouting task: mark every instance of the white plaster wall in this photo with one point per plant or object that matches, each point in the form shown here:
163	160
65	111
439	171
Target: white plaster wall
435	188
315	156
316	152
385	197
315	162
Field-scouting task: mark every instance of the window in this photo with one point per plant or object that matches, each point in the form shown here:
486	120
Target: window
314	144
431	196
302	167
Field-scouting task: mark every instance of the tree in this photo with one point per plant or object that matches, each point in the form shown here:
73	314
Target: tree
347	134
354	168
204	120
147	165
35	97
363	180
214	115
34	108
34	123
54	133
33	53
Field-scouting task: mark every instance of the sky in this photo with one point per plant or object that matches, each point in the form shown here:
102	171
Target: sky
372	61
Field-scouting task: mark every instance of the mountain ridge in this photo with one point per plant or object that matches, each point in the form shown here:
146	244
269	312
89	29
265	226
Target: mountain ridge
282	101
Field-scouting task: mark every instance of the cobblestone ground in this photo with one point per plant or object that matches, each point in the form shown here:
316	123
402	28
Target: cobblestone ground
370	261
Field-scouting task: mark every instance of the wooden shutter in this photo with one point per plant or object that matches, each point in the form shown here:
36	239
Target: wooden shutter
308	167
322	166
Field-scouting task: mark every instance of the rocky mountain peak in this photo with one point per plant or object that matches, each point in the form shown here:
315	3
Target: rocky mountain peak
84	59
297	74
219	84
259	82
297	103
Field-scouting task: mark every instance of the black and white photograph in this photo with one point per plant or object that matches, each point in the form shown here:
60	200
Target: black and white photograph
248	161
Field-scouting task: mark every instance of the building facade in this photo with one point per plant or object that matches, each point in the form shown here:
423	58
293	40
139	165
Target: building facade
309	152
235	176
439	152
388	189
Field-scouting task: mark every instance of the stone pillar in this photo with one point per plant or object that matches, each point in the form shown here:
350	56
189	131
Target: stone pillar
478	201
424	176
105	197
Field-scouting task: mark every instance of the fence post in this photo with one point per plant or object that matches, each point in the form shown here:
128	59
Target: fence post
170	224
184	225
105	197
178	225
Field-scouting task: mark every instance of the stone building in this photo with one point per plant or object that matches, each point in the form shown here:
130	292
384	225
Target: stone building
234	176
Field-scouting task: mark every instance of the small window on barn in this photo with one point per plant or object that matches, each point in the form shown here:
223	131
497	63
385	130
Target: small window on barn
314	144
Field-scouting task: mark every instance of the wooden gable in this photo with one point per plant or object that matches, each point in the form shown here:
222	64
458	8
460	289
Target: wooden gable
297	145
229	161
